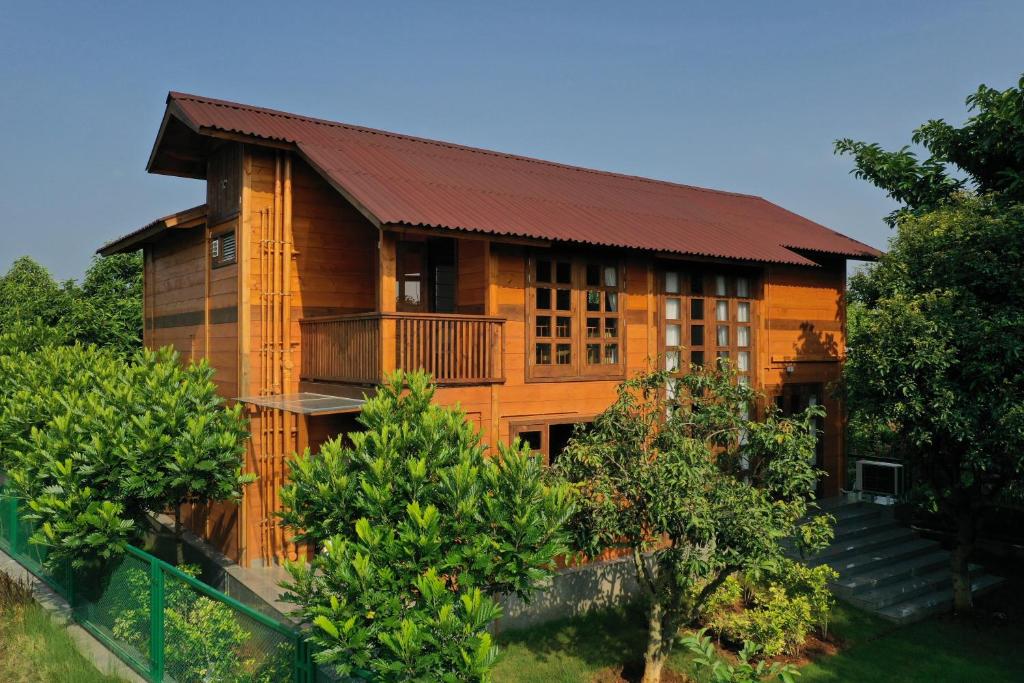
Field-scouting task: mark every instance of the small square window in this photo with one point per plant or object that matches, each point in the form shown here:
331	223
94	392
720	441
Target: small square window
593	275
671	283
531	438
593	300
543	325
543	271
593	327
611	276
697	357
720	285
672	309
593	354
743	336
543	354
563	354
696	309
697	284
563	271
721	310
696	335
672	361
611	354
722	337
742	287
611	328
743	361
611	302
563	299
564	326
543	298
673	335
743	311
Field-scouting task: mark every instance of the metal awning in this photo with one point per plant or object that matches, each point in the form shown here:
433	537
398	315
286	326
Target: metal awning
306	403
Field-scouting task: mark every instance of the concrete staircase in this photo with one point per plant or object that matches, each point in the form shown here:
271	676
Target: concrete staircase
885	568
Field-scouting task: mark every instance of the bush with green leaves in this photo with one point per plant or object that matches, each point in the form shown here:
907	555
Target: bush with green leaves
678	473
203	639
95	444
707	666
416	532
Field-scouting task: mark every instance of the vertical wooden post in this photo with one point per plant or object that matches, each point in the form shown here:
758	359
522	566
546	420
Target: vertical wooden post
387	300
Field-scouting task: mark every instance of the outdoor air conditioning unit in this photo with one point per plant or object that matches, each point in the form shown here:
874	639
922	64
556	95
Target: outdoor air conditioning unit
879	478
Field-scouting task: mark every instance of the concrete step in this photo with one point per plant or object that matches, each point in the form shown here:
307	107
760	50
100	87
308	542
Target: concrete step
874	559
853	512
841	549
890	573
935	602
901	591
861	528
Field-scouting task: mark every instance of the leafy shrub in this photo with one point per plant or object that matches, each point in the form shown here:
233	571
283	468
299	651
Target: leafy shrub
416	529
203	640
707	666
94	444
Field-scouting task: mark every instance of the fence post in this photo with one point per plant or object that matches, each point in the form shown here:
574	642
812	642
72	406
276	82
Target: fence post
12	524
156	620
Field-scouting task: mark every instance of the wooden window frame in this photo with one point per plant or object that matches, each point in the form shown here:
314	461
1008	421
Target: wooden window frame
707	278
543	425
578	369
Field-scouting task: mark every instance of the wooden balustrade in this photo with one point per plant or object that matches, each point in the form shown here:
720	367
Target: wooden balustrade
455	349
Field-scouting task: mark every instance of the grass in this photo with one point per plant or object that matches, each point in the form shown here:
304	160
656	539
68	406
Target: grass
983	648
33	647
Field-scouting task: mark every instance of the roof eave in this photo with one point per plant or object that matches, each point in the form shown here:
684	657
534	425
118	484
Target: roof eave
182	220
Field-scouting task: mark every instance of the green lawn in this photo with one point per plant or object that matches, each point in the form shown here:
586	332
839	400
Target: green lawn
935	651
34	648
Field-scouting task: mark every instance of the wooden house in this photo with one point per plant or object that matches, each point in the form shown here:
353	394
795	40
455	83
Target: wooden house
327	254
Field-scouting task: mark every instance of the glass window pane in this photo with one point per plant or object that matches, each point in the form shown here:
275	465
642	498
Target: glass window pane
593	300
743	379
671	283
611	276
543	270
742	287
696	335
531	439
697	284
743	361
563	354
697	357
564	326
611	354
563	271
563	299
611	328
722	337
723	355
743	311
543	354
673	335
593	327
611	302
672	361
672	309
543	325
593	275
543	298
742	336
696	309
593	354
720	285
411	290
721	310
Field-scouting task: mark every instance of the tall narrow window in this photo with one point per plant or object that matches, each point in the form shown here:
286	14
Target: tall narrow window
552	334
602	310
412	276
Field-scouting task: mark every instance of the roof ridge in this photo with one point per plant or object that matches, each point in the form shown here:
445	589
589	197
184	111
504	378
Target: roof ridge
450	145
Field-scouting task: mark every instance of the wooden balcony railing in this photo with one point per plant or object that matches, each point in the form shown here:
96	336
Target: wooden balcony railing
361	348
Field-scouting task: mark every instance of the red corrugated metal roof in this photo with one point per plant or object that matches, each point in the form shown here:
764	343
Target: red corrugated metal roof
412	181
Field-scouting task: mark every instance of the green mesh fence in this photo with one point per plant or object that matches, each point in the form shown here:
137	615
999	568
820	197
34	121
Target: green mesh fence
163	622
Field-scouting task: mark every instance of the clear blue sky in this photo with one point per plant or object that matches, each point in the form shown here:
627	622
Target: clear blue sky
741	96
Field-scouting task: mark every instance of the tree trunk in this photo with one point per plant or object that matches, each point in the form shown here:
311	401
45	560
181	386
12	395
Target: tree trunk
960	562
179	542
654	656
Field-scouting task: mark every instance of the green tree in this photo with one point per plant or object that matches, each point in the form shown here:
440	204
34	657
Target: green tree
96	444
29	294
676	473
934	370
985	155
938	359
416	531
107	308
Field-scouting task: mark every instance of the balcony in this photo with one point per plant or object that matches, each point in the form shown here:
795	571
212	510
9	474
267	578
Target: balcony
362	348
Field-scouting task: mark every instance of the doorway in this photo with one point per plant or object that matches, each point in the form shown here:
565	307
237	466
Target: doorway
796	398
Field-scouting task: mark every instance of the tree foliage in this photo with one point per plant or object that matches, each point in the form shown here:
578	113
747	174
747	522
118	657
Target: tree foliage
676	472
106	309
416	531
937	358
985	155
95	443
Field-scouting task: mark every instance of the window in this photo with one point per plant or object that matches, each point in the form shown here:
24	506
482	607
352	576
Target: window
223	249
548	438
426	275
719	325
575	318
